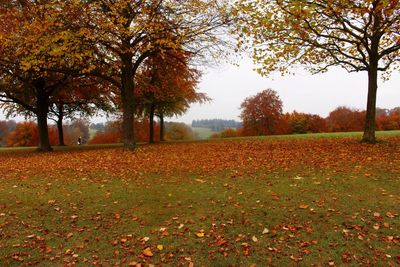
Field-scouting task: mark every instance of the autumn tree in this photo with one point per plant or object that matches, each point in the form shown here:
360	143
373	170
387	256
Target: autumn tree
300	123
6	127
82	97
261	113
319	34
178	131
125	32
37	37
166	87
344	119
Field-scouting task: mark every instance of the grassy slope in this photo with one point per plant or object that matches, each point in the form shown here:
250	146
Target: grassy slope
317	201
202	133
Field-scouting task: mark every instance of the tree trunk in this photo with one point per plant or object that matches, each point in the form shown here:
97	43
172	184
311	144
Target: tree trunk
162	139
369	127
60	125
151	124
42	102
128	105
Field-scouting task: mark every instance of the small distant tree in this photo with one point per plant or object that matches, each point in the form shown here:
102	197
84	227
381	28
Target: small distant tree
178	131
261	113
25	134
6	127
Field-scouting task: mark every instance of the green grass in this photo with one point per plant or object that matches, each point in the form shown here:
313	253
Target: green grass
104	219
202	133
379	134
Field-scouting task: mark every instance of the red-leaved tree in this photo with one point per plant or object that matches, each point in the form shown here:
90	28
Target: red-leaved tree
262	113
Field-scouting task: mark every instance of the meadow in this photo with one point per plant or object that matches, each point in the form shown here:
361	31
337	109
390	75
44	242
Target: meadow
312	200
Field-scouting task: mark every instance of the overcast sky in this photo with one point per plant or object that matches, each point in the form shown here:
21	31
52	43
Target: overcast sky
229	85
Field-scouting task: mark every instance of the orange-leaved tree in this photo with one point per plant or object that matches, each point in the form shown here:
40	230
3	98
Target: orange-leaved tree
166	87
124	33
262	113
344	119
36	38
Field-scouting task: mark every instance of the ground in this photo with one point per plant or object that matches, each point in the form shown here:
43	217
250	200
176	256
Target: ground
240	202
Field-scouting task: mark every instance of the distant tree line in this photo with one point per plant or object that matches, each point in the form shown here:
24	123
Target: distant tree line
262	114
216	125
25	133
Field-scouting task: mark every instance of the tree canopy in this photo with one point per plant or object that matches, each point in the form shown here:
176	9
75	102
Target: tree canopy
319	34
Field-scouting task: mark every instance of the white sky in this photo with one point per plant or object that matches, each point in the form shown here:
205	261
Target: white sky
229	85
319	94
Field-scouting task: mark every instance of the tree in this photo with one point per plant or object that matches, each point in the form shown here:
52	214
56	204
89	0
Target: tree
6	127
178	131
124	33
84	97
300	123
319	34
166	87
261	113
25	134
36	38
344	119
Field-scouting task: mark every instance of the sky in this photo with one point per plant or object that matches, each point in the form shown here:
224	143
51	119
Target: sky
229	85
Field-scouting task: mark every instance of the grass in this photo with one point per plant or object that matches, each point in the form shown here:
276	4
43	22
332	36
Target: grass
202	133
261	204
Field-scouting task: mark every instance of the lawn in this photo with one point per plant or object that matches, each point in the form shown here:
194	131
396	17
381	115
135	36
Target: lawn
245	202
202	133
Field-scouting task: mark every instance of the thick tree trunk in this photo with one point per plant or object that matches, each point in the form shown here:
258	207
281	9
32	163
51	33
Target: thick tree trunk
42	102
60	125
151	124
369	128
162	139
128	104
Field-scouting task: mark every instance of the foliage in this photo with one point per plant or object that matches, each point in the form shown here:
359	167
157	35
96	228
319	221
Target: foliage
227	133
125	33
344	119
40	40
261	113
178	131
5	128
25	134
300	123
389	120
319	34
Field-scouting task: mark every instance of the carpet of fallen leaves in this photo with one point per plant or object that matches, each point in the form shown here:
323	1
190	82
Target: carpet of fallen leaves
225	203
203	158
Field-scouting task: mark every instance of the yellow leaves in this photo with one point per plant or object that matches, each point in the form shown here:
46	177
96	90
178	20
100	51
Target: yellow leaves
147	252
303	206
160	247
200	233
25	66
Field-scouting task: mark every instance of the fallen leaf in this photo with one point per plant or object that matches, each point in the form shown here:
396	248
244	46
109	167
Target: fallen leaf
303	206
389	214
147	252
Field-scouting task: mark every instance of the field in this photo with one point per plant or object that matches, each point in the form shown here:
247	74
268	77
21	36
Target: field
202	133
241	202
